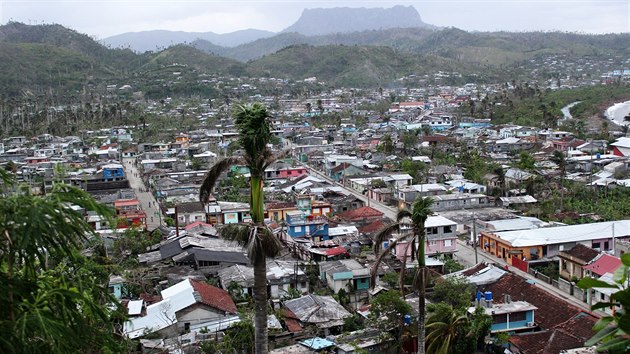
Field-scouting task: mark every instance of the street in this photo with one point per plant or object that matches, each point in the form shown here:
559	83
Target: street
389	212
147	201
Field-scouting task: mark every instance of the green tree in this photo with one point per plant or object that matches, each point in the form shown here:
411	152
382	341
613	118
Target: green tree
387	312
526	161
52	299
239	338
452	330
416	169
386	145
416	241
454	291
254	131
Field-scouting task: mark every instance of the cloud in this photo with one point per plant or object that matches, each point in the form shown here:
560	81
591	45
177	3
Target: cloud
104	18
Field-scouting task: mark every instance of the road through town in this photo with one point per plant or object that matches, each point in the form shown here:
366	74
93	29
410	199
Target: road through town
147	201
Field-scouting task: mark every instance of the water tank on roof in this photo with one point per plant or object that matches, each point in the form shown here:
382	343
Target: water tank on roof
488	295
407	320
479	295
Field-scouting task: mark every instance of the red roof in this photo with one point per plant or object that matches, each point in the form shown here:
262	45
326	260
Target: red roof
552	310
335	251
195	224
291	320
360	214
214	297
604	264
126	202
372	227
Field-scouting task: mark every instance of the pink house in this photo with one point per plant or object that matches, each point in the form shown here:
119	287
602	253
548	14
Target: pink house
441	237
292	172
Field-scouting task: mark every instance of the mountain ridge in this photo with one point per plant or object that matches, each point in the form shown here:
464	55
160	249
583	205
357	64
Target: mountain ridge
320	21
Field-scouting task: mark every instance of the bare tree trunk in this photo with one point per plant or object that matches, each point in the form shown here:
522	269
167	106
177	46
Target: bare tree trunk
421	310
260	307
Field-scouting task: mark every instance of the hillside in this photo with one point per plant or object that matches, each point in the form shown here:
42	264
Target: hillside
314	22
194	58
491	48
351	66
159	39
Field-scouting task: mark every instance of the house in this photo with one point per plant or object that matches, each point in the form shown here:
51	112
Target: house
555	318
129	213
548	242
196	251
572	261
363	215
457	201
602	264
441	237
346	274
509	316
301	225
277	211
621	147
189	305
511	144
339	172
189	213
281	276
322	311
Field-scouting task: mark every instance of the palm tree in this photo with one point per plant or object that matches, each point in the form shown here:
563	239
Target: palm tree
560	159
254	130
500	172
442	331
406	220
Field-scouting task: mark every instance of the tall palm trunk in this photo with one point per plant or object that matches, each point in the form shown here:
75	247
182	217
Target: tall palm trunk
260	270
421	310
260	306
421	288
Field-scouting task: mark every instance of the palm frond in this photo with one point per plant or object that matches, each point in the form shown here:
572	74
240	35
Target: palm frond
213	176
403	213
379	259
383	234
263	244
403	266
238	233
419	279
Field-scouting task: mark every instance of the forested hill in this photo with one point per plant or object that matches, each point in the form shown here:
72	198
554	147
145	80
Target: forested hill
46	59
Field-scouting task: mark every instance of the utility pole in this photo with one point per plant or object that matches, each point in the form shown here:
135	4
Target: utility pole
475	237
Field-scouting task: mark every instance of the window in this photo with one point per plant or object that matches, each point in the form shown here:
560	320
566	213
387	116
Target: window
518	316
448	243
448	229
298	229
497	319
303	284
596	245
432	230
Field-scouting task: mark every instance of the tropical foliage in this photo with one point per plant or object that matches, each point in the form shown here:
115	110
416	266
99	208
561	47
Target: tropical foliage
52	299
453	330
612	330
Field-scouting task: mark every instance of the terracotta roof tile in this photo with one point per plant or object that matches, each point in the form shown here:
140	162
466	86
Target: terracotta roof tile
552	310
214	297
583	253
360	214
372	227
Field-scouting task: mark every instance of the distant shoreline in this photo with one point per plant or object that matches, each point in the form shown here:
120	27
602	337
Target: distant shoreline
617	112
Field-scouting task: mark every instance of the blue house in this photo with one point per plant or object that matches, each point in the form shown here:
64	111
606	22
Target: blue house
510	316
113	172
303	225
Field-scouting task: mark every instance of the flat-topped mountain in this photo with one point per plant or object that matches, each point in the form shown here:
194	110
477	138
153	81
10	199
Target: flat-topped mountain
345	19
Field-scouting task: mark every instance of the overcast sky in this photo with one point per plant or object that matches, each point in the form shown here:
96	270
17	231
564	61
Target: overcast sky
101	19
